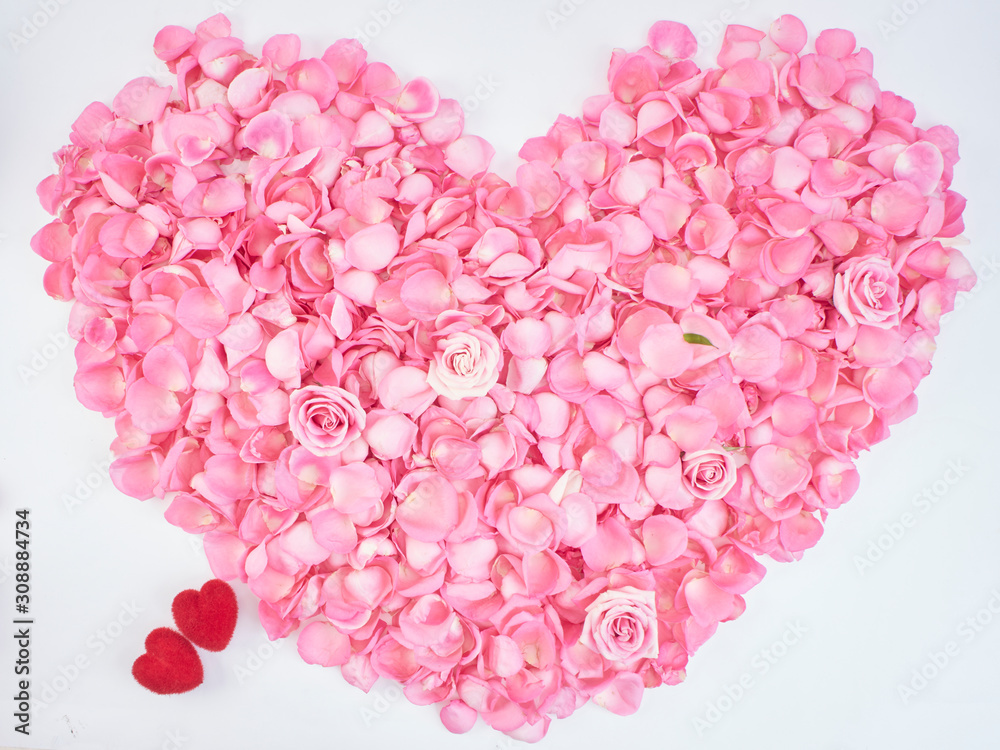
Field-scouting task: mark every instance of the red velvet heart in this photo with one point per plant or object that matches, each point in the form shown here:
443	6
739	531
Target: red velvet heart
207	617
170	664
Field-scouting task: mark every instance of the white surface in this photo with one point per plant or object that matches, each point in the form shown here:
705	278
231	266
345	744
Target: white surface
835	688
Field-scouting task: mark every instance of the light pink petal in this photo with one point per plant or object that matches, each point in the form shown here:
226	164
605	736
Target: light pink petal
469	156
426	294
581	519
784	261
334	531
603	372
691	427
664	538
389	434
372	131
634	78
754	167
136	476
283	357
710	230
885	388
201	313
171	42
141	101
429	513
664	350
282	50
800	532
623	695
446	124
418	101
611	546
269	134
405	389
708	603
756	353
166	367
836	43
672	40
458	717
355	488
664	214
99	387
527	338
789	33
820	75
835	178
373	248
321	643
898	207
153	409
229	476
780	471
738	43
921	164
670	285
791	414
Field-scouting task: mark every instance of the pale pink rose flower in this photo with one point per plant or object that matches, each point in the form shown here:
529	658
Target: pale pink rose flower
866	292
621	625
325	418
466	363
710	473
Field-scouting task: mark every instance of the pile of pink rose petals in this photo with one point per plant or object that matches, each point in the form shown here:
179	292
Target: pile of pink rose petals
515	446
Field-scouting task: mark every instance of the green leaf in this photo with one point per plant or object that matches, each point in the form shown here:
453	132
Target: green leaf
697	338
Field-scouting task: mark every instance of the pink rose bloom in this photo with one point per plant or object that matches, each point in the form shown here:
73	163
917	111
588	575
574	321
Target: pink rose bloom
324	418
466	362
710	473
621	625
866	292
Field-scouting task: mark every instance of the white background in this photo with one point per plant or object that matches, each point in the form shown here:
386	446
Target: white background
836	688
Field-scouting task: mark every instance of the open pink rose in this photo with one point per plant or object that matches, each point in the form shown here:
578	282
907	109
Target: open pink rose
324	418
866	292
466	363
621	625
710	473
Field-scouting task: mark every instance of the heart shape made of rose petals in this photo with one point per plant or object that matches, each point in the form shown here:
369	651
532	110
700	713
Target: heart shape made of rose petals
170	664
516	446
207	617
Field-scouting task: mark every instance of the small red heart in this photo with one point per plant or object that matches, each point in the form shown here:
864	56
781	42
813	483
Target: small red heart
207	617
170	664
